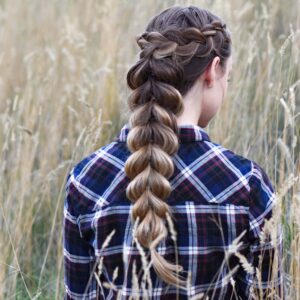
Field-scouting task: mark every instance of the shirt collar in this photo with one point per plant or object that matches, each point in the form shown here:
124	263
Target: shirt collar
187	133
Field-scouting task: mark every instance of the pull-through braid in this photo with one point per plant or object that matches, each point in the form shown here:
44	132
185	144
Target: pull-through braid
152	140
155	101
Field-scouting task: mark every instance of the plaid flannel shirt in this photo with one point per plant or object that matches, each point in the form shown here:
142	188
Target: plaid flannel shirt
216	195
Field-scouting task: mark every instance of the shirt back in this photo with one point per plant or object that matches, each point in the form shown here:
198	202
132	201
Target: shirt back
217	196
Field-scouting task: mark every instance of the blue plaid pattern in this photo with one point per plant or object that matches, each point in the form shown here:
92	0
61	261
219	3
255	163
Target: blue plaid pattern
217	196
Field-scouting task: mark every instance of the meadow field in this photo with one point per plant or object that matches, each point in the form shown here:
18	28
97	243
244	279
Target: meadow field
63	94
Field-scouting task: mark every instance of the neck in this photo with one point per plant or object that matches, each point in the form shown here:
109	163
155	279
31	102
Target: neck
192	106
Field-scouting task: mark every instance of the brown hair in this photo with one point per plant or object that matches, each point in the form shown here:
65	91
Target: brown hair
176	48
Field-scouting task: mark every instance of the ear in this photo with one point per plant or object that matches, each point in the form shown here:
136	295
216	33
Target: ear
211	72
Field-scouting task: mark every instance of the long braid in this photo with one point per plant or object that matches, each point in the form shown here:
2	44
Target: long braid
152	139
158	81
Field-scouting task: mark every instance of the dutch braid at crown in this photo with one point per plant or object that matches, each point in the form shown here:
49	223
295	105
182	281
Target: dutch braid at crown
152	138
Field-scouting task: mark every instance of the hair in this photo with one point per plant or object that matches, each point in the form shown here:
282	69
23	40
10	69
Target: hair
177	46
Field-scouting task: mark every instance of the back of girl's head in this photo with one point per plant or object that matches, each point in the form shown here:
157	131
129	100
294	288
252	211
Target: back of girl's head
176	48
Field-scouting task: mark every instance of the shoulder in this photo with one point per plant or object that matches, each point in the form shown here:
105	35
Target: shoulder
90	176
255	174
107	158
231	159
91	160
260	176
262	192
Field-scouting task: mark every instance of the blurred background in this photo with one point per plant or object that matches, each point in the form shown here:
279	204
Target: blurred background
63	95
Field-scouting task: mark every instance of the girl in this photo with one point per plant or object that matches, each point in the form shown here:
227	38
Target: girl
163	207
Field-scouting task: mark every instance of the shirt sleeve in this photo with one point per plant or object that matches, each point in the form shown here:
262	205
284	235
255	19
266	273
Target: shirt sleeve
265	254
78	256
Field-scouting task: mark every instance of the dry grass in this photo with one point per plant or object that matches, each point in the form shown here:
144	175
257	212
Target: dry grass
63	89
